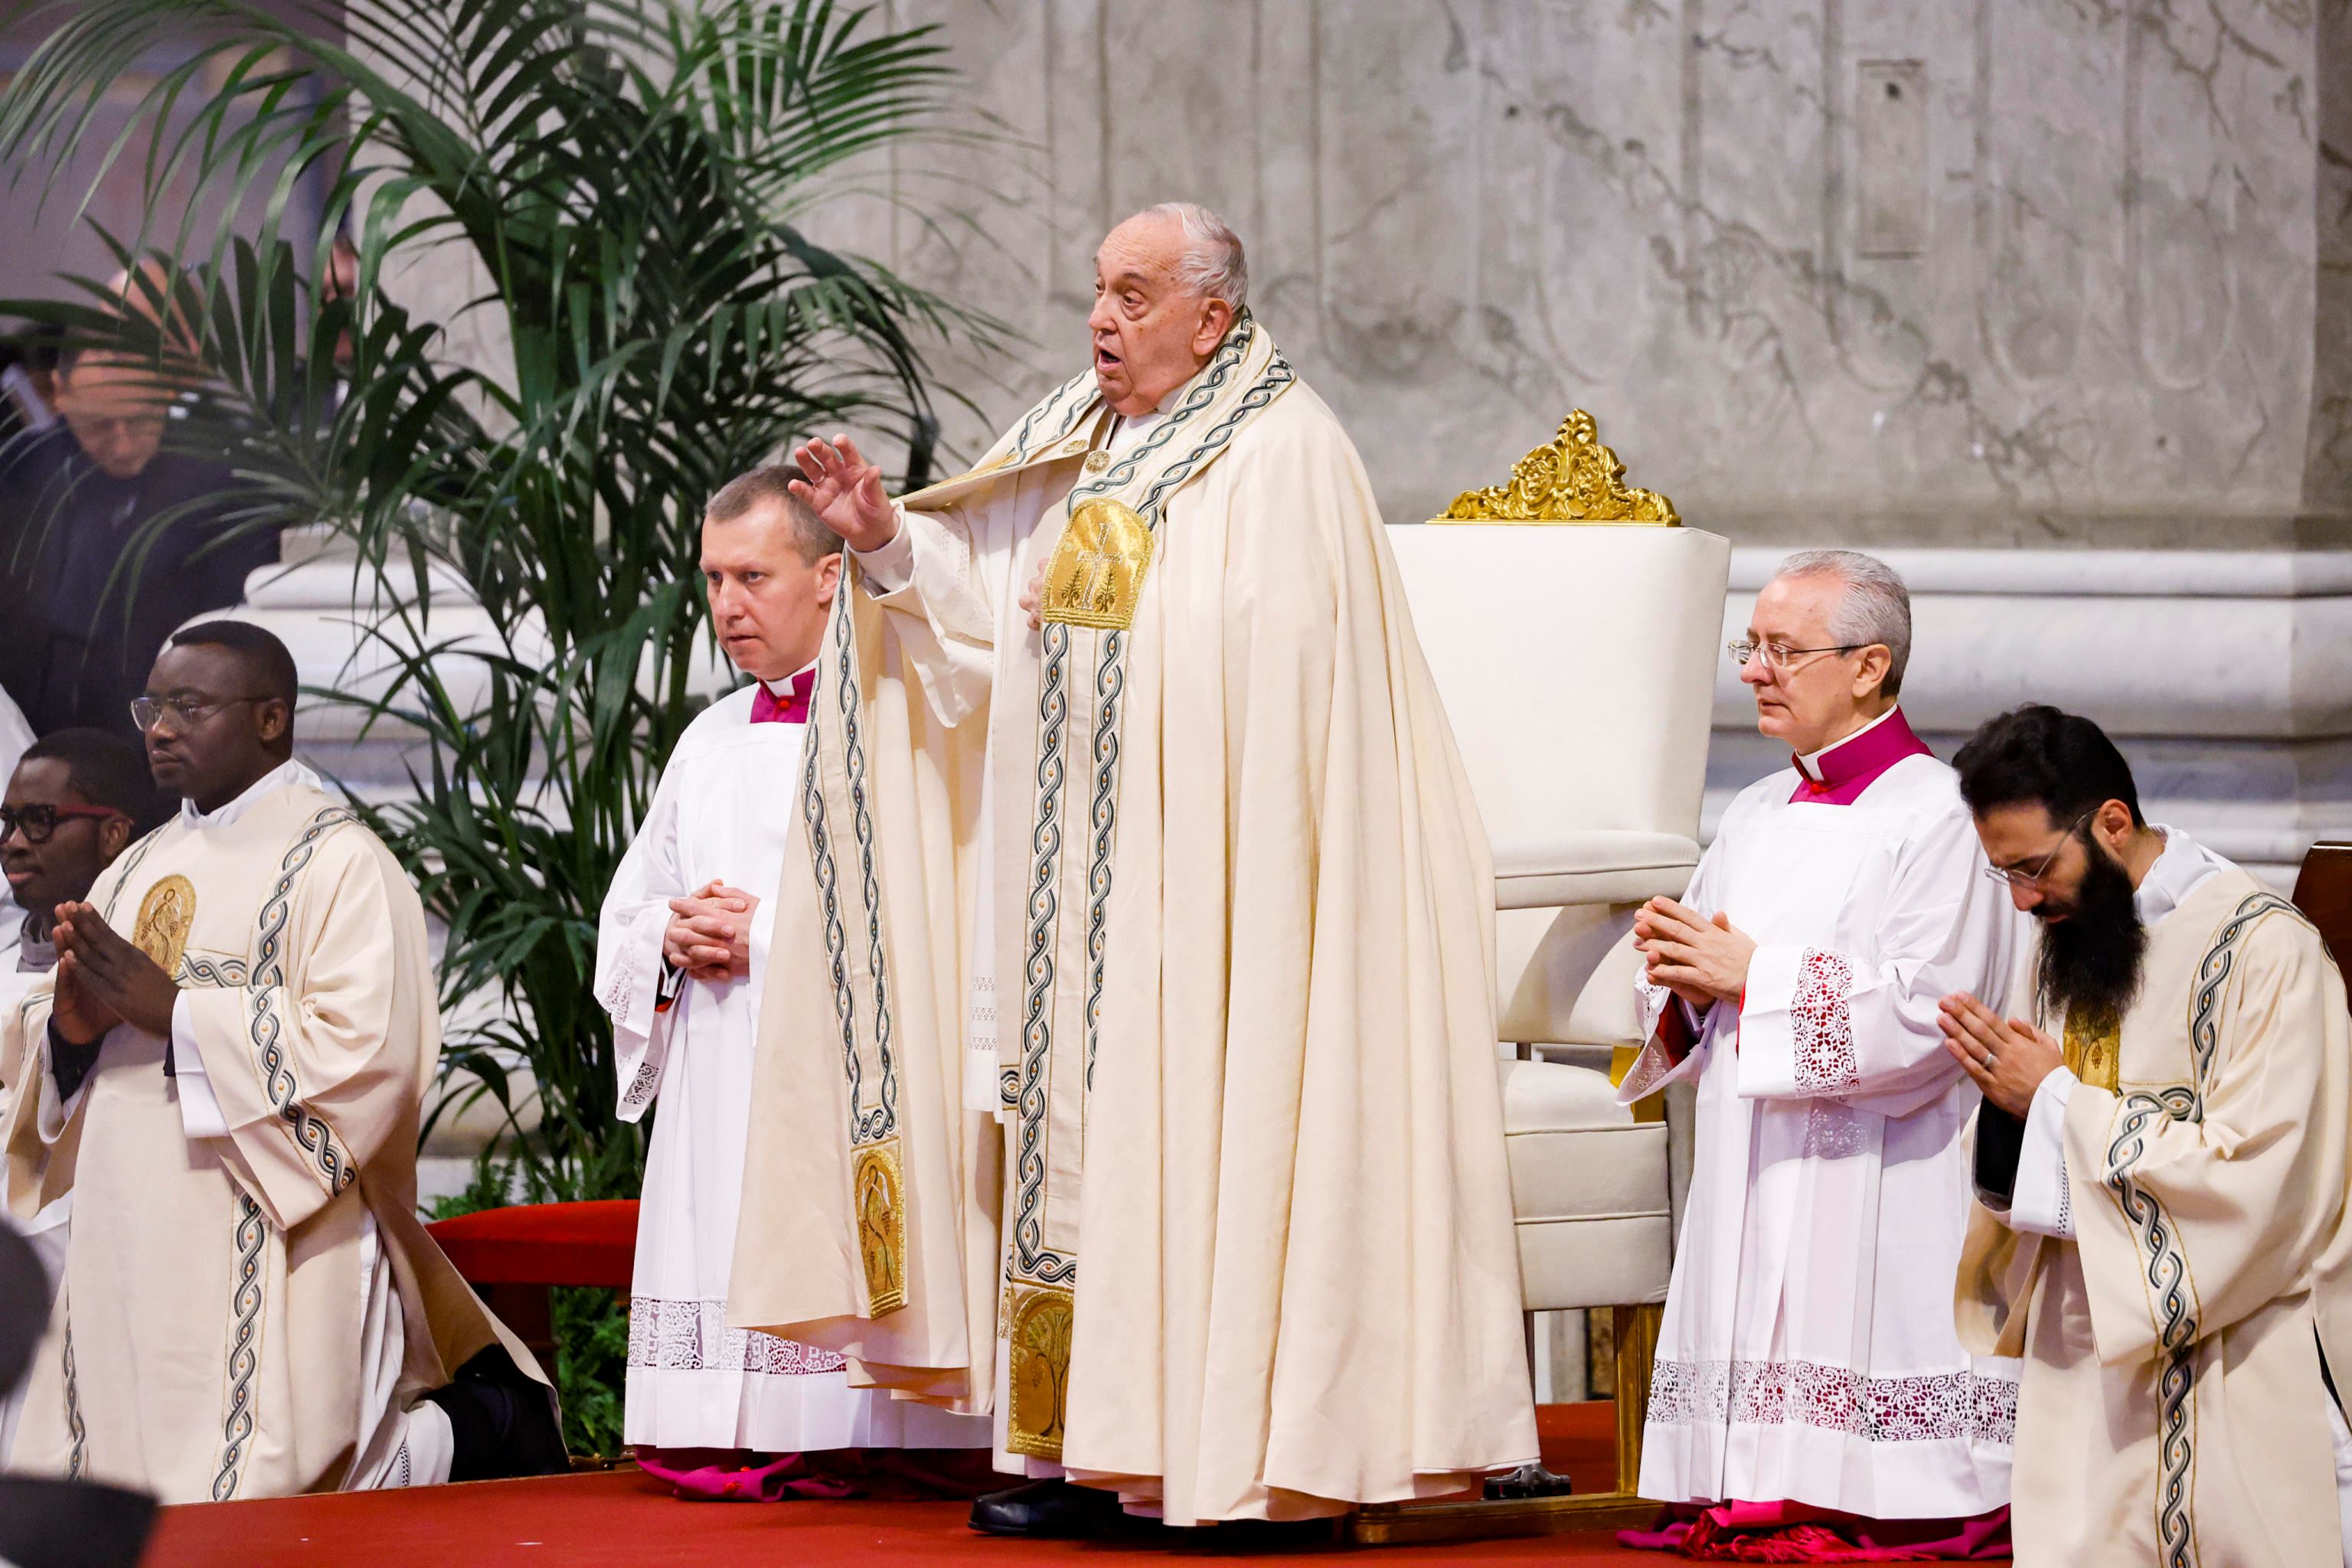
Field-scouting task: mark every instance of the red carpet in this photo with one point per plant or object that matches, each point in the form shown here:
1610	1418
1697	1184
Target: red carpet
623	1519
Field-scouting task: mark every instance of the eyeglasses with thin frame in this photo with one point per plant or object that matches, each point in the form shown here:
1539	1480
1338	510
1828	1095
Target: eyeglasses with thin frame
145	712
1742	650
38	821
2014	877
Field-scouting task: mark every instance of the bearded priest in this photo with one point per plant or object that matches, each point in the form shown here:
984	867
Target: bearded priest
2167	1244
1811	1392
1130	819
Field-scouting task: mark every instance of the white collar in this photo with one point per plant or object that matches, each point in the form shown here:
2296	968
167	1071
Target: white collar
288	775
1809	764
1126	432
781	690
2177	872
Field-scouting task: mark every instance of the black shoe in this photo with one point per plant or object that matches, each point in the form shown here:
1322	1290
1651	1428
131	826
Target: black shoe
502	1423
1526	1481
1048	1510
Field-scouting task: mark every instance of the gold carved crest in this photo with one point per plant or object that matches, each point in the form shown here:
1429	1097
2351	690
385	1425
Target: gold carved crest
1038	1370
1573	479
1095	576
878	1191
165	914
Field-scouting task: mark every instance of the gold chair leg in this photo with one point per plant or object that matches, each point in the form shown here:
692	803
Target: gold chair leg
1397	1524
1637	1356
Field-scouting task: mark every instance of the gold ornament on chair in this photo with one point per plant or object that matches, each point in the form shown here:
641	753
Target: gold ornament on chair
1573	479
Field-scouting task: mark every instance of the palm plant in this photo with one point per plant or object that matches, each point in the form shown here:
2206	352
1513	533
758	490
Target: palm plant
623	177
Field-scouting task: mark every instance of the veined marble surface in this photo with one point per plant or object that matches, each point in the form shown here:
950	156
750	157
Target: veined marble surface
1943	269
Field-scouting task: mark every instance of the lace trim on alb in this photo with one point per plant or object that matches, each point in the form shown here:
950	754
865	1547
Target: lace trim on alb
1928	1408
693	1336
1822	1022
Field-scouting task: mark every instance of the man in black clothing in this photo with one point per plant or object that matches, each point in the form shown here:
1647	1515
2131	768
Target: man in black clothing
108	540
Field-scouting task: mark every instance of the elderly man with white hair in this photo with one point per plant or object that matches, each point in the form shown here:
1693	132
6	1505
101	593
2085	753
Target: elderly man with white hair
1810	1385
1133	843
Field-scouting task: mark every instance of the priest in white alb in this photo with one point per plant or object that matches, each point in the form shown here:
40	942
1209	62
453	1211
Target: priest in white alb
2165	1237
225	1073
682	957
1125	773
1811	1390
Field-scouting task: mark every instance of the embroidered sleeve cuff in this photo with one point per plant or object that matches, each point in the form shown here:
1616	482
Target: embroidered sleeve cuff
629	967
2044	1203
200	1108
1767	1042
1796	1026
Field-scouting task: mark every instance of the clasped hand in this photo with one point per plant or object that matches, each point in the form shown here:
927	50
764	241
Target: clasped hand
2009	1059
103	981
1702	960
710	932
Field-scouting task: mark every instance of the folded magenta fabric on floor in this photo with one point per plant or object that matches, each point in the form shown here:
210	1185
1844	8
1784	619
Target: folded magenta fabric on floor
718	1475
1792	1533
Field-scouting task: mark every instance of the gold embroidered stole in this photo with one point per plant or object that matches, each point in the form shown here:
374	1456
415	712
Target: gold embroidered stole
835	803
2094	1053
1057	938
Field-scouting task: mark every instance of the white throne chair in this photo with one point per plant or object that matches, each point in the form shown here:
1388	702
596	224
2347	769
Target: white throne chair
1577	665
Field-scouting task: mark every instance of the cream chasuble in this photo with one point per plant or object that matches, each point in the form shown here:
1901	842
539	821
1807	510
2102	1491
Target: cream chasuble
250	1314
2173	1410
1232	908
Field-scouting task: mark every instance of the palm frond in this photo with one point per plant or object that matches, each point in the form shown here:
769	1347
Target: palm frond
627	176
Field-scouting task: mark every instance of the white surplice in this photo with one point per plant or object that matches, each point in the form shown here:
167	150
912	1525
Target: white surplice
1808	1352
723	811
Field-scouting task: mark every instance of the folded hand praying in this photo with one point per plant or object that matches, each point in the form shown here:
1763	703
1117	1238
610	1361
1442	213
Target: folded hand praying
710	932
2008	1059
102	980
1702	960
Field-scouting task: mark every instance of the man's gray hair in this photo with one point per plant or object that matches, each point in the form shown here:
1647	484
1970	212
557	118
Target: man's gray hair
1214	266
1876	608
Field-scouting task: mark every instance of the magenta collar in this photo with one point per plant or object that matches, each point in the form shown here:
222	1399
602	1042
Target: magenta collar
791	708
1849	768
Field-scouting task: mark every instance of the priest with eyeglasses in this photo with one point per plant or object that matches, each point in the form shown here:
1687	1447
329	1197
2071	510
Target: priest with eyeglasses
224	1075
1811	1396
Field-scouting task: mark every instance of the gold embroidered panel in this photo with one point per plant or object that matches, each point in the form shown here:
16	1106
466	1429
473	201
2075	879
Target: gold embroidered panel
879	1187
1040	1326
166	915
1095	576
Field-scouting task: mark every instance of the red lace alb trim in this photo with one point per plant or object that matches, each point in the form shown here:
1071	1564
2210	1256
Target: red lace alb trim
1876	1409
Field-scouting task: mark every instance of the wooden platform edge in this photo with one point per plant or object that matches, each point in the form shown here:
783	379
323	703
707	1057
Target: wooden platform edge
1408	1524
1403	1523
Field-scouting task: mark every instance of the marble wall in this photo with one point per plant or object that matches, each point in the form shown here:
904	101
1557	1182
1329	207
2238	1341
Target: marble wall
2052	298
1984	271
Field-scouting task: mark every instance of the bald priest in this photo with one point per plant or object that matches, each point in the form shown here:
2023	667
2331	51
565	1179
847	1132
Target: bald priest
224	1075
1131	817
